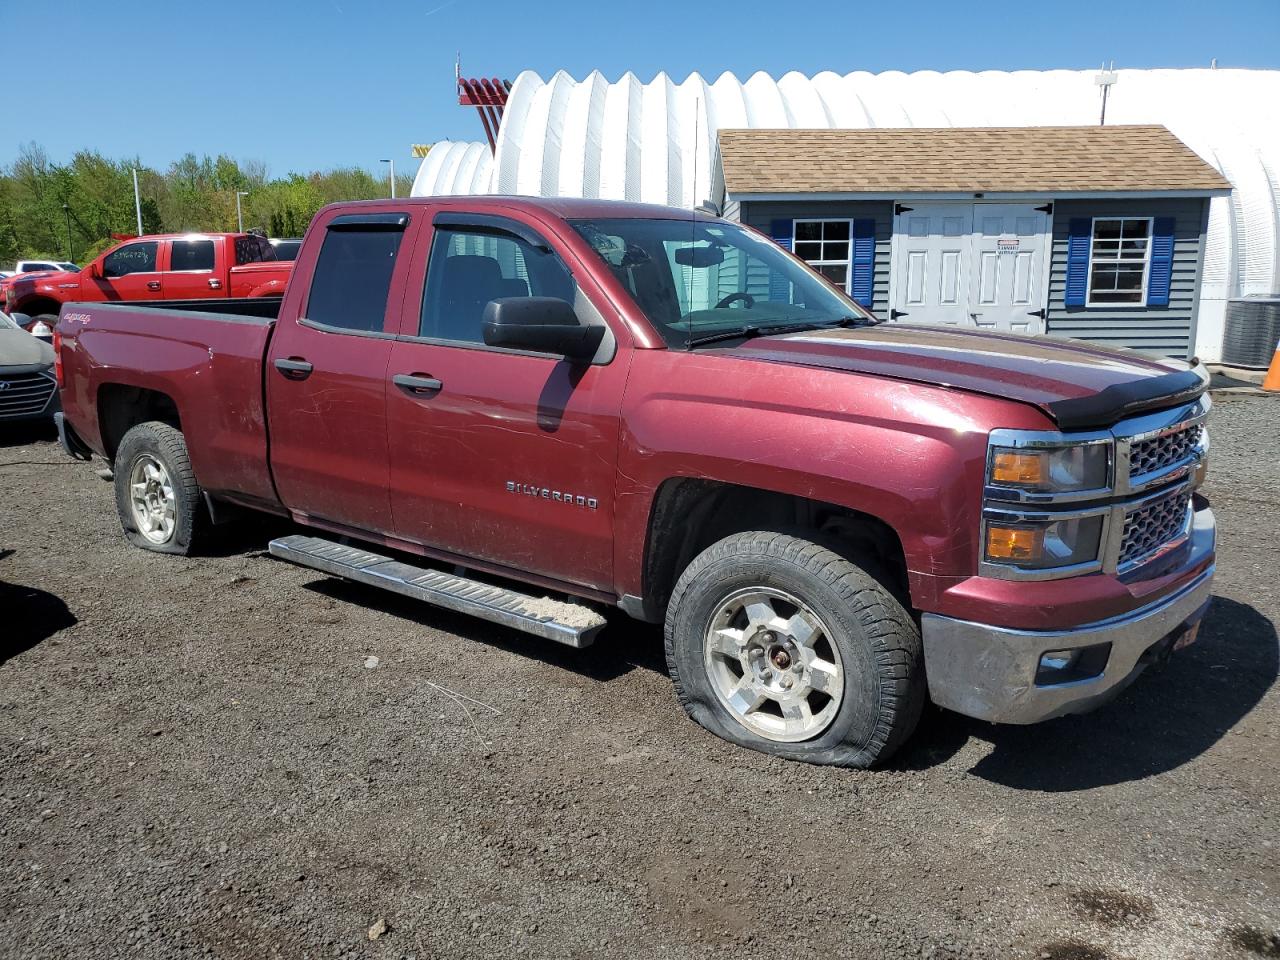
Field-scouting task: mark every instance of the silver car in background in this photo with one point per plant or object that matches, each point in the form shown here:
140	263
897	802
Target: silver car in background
28	389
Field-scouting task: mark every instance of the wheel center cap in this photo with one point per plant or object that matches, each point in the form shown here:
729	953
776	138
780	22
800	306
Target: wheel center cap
780	658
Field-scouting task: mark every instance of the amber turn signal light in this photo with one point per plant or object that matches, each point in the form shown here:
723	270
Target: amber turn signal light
1014	543
1018	468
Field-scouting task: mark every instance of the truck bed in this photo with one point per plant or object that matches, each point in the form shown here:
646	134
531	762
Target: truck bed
205	358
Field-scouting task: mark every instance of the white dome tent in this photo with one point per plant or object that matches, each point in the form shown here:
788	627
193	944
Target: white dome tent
655	141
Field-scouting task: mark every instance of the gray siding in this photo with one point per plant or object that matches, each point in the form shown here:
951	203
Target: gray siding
1168	331
761	214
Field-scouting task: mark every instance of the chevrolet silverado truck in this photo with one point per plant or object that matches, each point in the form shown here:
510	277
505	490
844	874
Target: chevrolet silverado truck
533	411
192	266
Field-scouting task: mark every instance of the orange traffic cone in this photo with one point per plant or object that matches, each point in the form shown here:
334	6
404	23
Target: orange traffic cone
1272	380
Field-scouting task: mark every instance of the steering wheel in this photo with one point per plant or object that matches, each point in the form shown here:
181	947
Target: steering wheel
746	298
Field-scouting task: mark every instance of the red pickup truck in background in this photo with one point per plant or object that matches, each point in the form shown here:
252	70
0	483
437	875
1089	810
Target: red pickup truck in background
195	266
638	407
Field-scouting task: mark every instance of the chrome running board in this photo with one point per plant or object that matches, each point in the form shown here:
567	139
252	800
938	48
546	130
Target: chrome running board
574	624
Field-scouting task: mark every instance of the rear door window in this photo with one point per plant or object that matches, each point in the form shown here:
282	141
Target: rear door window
191	255
353	275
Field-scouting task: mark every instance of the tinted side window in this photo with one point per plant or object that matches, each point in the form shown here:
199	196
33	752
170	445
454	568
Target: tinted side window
467	270
191	255
353	278
132	258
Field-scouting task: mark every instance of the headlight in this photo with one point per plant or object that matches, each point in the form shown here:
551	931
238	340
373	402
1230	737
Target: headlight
1044	544
1062	469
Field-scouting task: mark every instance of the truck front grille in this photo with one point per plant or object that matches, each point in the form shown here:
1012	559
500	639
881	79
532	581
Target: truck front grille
24	394
1161	452
1154	526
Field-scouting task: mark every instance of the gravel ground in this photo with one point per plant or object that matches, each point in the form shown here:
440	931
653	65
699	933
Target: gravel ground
233	757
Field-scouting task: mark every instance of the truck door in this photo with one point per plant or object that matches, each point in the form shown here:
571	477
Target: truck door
190	273
327	372
497	454
130	272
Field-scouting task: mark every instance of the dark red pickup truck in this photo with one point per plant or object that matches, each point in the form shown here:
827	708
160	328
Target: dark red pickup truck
172	266
592	405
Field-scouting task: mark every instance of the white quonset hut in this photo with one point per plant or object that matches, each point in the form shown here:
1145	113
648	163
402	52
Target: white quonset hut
660	142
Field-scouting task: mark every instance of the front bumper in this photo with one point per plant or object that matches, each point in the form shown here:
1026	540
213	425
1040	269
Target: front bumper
990	672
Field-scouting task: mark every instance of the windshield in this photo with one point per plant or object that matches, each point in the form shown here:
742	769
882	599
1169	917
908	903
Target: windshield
695	279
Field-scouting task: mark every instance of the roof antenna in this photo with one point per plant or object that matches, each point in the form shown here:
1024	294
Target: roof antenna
1105	78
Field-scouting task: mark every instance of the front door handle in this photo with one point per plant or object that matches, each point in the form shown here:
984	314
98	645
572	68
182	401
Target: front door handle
153	284
294	368
416	383
215	284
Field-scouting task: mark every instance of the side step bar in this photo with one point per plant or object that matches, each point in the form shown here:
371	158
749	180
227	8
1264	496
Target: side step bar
574	624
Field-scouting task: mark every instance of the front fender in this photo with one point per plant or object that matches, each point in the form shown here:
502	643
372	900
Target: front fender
911	455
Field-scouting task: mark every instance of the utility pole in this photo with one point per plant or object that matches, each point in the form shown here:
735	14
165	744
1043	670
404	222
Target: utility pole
137	200
239	215
70	256
393	176
1105	78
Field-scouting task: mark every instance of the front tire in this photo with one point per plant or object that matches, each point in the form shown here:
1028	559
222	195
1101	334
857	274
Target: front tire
157	497
784	646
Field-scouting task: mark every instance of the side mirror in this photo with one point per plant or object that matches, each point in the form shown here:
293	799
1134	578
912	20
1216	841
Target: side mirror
94	271
541	325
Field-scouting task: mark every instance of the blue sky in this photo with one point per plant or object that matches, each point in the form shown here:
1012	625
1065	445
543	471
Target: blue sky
312	85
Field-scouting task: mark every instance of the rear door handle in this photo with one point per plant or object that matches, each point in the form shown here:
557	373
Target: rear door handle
416	383
294	368
153	284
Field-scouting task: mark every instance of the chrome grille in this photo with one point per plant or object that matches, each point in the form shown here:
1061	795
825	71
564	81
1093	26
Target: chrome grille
1158	453
1153	526
24	394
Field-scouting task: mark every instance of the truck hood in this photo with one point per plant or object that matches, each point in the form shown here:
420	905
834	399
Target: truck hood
1078	385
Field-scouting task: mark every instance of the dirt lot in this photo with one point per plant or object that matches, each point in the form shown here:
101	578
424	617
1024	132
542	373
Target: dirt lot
197	758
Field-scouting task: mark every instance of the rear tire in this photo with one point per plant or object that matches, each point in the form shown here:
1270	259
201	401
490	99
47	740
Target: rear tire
784	646
160	504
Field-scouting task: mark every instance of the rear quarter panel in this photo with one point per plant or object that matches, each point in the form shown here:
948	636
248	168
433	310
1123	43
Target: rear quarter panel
210	365
259	279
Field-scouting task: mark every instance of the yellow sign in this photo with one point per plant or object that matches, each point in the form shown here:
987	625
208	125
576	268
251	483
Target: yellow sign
421	149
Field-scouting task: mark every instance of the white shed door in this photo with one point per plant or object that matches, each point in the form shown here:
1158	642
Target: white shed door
977	265
931	263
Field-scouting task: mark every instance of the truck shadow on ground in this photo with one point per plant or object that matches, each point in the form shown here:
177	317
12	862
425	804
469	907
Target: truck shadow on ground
1167	718
30	616
34	431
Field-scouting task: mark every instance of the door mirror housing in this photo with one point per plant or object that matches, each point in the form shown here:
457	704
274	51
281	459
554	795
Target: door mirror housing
540	325
94	270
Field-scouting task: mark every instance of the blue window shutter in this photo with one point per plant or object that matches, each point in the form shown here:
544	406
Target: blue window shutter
781	232
1081	232
864	261
1161	271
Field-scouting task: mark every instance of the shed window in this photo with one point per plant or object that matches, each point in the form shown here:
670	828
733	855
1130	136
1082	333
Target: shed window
824	245
1119	257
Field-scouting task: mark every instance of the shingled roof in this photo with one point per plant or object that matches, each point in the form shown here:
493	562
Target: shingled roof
963	160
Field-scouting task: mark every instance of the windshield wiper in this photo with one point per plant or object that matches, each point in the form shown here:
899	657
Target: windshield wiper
742	333
748	332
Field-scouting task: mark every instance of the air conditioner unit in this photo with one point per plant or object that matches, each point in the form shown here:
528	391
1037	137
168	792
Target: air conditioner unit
1253	330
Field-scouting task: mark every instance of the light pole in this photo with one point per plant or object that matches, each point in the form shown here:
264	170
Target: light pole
393	176
239	215
137	200
67	210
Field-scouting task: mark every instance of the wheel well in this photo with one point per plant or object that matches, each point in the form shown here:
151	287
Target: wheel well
121	407
689	515
38	305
